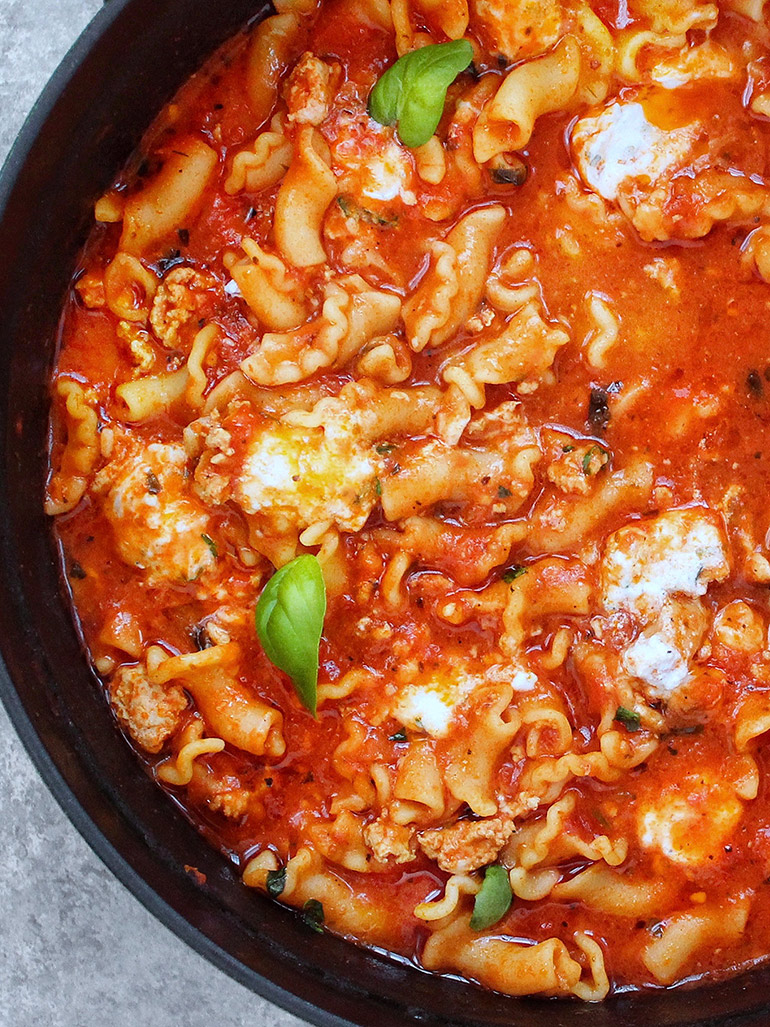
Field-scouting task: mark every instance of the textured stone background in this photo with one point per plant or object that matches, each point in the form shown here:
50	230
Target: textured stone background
76	949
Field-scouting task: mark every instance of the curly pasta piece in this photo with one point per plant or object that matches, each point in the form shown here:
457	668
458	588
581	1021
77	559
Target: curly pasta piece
256	870
450	16
751	9
346	911
419	788
263	164
341	841
523	351
752	719
196	375
172	199
605	330
549	724
457	886
179	770
597	988
129	288
453	286
386	359
381	413
352	315
473	757
532	845
145	398
305	193
617	894
500	475
717	196
564	521
545	778
684	934
273	44
271	290
429	540
674	18
597	52
532	885
238	717
430	161
68	483
531	89
347	685
506	966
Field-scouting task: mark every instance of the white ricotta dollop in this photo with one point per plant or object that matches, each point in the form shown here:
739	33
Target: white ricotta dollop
620	144
677	552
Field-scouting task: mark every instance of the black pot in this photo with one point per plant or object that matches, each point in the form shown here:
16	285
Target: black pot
130	60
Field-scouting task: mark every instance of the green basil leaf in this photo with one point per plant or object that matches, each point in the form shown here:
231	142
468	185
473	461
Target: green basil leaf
275	882
290	617
412	92
313	915
494	899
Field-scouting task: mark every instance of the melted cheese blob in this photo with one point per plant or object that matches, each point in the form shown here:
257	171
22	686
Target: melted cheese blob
159	524
308	475
692	826
679	552
656	569
620	145
373	165
430	704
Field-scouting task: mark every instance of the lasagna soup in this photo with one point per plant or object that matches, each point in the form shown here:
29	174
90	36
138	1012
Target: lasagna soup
410	445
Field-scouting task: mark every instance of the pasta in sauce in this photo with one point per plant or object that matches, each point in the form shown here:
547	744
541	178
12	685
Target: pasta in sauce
511	387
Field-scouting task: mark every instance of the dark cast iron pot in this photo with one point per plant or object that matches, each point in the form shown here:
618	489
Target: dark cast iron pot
131	60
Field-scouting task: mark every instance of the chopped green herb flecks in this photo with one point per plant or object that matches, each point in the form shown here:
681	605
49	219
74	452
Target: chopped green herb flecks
211	544
494	899
630	719
594	459
399	736
503	492
351	209
512	573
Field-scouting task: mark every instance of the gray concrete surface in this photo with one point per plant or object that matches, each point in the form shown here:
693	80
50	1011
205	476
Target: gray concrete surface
76	949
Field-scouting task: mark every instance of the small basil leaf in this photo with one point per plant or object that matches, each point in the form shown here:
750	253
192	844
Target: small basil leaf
313	915
494	899
412	92
275	882
289	618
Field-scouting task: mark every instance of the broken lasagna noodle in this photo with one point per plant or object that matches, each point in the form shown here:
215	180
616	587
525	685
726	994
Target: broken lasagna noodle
512	389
